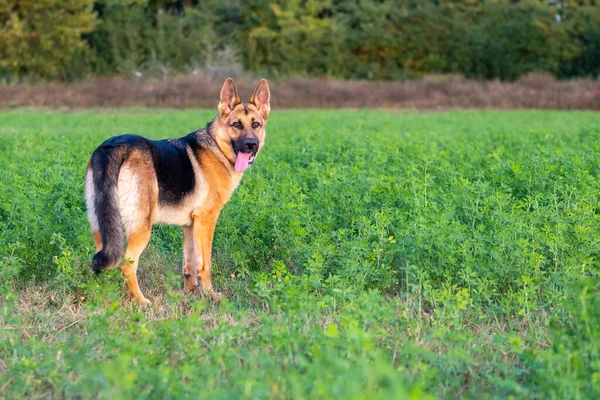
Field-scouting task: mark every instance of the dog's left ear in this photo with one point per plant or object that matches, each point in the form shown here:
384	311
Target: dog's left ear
261	98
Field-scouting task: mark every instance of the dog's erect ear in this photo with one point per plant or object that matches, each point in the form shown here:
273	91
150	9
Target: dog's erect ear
229	98
261	98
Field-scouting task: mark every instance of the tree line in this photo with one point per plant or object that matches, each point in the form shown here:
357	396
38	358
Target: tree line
359	39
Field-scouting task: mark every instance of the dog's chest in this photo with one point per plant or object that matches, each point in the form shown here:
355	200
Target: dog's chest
206	197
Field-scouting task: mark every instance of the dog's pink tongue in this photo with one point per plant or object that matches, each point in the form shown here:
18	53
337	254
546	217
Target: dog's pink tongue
242	161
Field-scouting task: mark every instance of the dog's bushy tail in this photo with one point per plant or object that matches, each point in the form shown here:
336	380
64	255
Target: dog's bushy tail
105	165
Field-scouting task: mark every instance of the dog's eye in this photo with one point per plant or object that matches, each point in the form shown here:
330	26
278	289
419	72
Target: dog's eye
237	124
255	125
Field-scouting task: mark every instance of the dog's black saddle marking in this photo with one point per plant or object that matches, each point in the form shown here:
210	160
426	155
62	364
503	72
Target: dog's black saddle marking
172	165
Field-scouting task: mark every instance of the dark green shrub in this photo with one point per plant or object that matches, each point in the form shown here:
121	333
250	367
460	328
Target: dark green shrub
38	38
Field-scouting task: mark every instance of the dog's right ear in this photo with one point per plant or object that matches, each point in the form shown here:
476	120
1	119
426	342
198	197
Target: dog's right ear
229	98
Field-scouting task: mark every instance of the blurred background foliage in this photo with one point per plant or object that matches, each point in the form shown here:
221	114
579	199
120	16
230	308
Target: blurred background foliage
359	39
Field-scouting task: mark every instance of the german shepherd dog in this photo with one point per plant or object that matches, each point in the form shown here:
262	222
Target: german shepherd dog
132	183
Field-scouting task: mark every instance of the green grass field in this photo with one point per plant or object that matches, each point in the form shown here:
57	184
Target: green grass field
366	254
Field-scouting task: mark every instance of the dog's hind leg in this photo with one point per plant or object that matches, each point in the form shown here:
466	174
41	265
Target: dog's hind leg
97	240
190	279
136	244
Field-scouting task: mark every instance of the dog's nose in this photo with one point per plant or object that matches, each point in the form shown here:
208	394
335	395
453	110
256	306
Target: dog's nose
251	144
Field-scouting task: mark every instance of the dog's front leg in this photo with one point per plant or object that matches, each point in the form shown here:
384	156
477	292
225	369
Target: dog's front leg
190	260
203	230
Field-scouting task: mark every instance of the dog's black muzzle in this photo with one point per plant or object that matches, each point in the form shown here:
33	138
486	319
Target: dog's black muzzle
246	145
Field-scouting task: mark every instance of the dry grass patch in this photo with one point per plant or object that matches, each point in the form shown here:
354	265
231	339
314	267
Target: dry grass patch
534	91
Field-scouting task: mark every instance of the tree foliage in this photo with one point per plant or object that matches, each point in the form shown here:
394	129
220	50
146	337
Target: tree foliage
39	37
359	39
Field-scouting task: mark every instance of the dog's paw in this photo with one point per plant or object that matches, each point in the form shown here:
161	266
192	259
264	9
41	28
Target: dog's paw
189	288
143	301
190	283
217	296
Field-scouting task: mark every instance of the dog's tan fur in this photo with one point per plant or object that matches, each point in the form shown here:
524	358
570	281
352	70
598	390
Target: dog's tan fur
215	181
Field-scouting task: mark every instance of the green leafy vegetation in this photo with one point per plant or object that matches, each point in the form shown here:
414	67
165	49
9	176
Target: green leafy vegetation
367	39
38	38
366	254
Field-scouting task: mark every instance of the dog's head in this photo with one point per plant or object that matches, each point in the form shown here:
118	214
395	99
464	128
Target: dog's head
240	132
